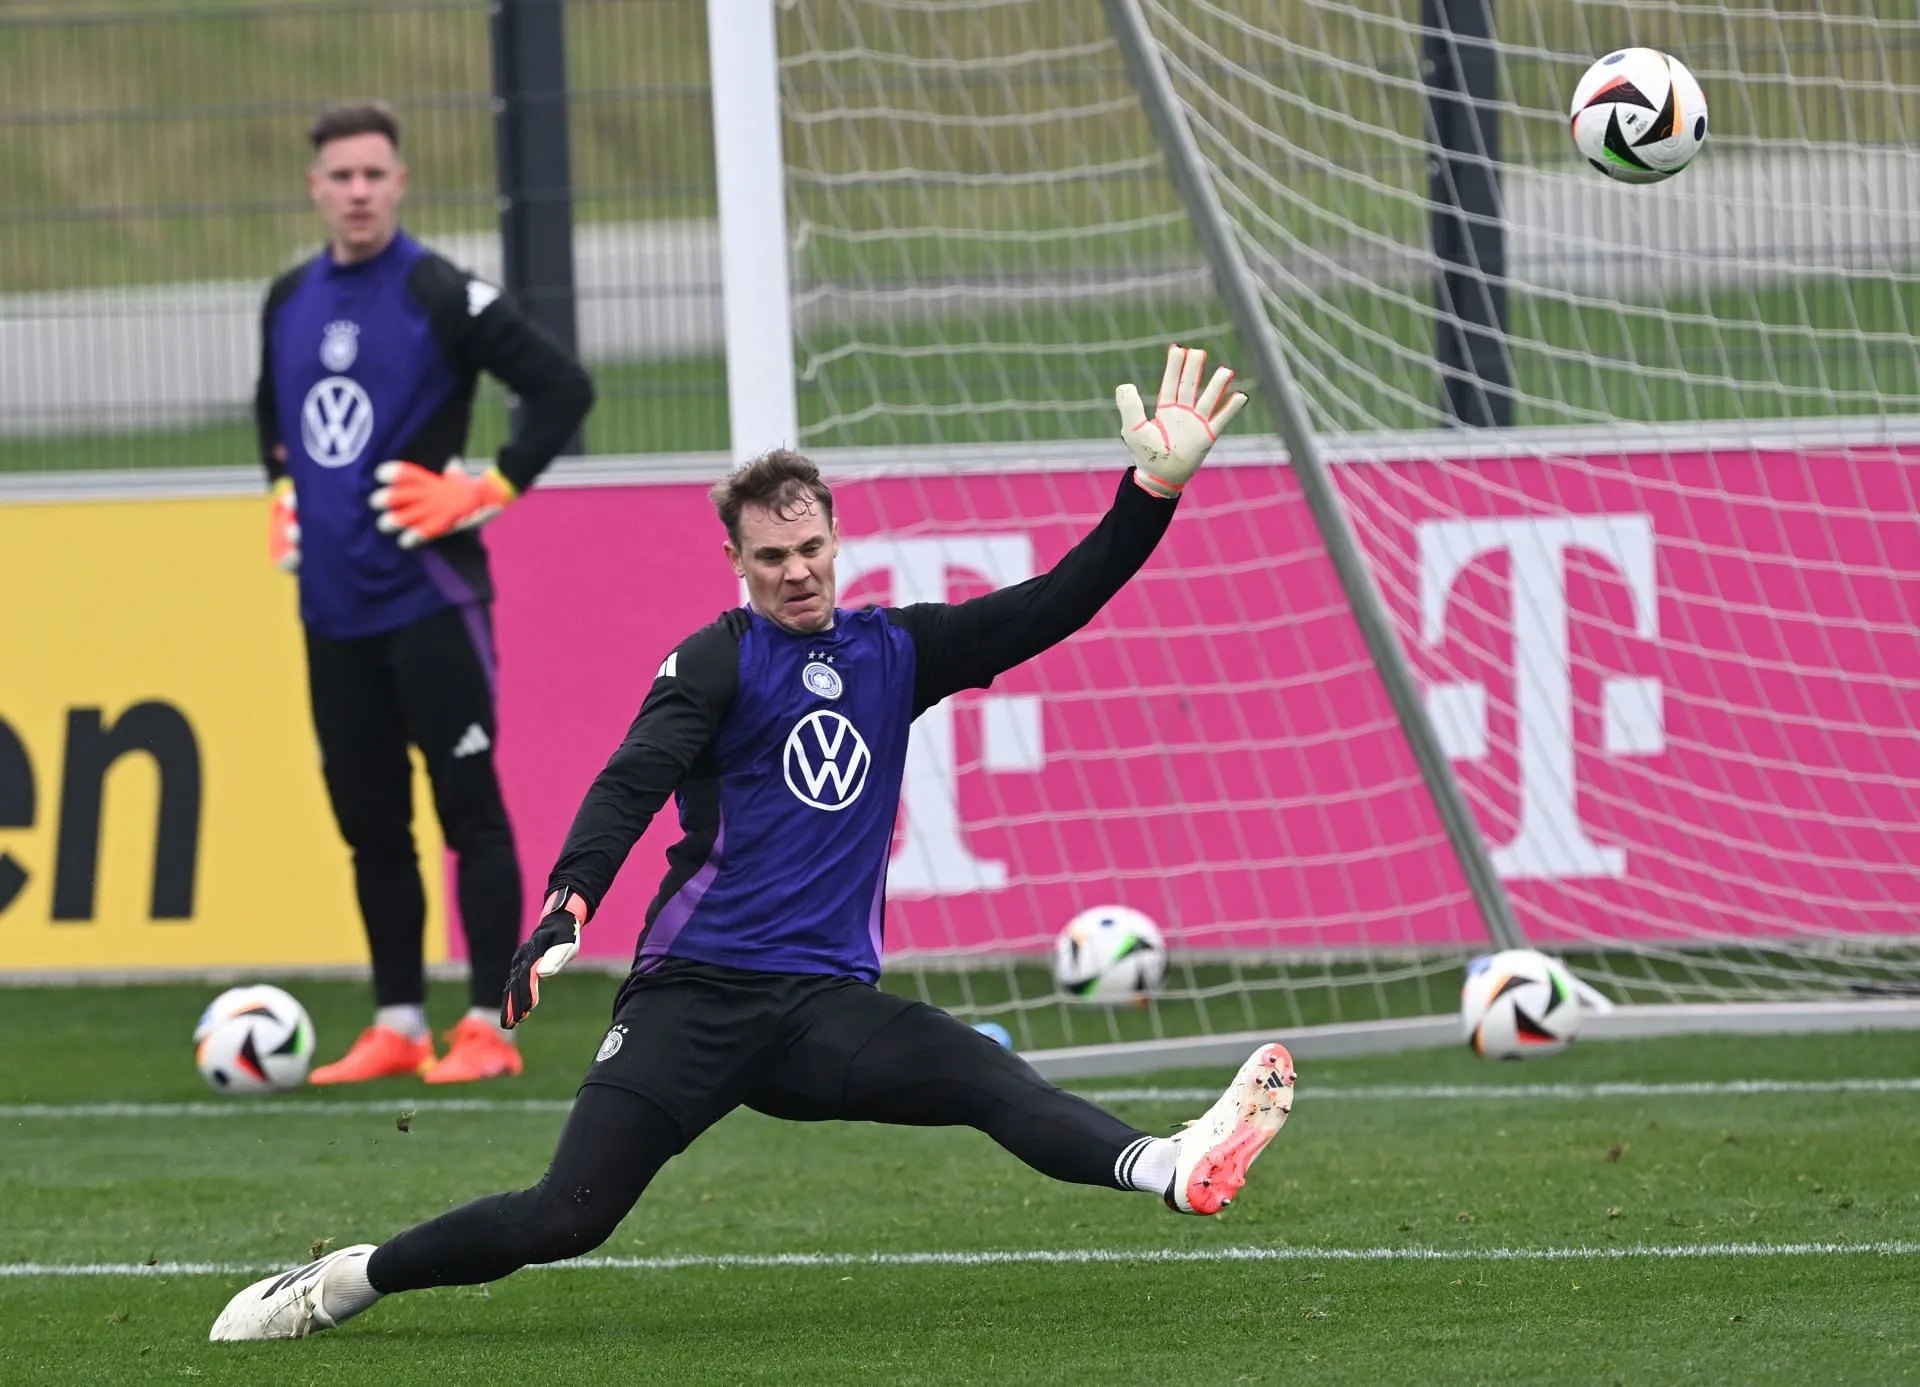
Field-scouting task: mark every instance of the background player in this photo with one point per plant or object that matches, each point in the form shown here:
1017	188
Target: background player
782	729
370	353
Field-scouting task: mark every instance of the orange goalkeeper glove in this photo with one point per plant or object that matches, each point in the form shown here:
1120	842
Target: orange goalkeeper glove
283	528
419	504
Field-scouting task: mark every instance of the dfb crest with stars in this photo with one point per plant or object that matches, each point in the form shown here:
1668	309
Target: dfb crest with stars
340	346
821	679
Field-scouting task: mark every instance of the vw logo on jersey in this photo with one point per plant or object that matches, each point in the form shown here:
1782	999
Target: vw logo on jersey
826	761
821	679
336	421
340	346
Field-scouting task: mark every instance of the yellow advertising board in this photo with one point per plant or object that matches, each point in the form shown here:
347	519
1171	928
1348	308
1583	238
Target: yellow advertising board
161	805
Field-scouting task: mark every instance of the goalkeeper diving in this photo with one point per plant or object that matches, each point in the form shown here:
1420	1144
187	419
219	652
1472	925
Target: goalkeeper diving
781	731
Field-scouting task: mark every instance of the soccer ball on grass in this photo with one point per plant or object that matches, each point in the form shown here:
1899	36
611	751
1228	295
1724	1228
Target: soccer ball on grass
1638	115
1109	954
254	1039
1518	1004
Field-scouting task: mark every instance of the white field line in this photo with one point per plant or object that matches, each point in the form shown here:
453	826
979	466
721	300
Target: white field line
1049	1257
1727	1088
285	1107
281	1107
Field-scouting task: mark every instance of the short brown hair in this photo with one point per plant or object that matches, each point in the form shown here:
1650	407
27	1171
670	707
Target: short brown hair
354	118
782	481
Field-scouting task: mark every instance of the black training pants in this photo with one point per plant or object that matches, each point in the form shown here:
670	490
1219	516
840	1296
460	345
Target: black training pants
694	1042
429	685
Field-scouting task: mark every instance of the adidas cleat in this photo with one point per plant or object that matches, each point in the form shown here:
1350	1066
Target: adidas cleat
475	1050
286	1306
1216	1152
380	1053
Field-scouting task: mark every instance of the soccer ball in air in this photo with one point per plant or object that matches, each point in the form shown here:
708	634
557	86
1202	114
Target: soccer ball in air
1518	1004
1638	115
1109	954
253	1040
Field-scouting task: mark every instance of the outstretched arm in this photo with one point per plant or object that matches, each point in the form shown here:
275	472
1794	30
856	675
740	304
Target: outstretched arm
969	644
683	710
676	726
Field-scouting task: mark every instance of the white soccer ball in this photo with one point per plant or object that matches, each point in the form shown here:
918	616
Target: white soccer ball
1109	954
1518	1004
1638	115
254	1039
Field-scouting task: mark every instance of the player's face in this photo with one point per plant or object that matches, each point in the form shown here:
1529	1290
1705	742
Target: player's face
357	182
787	562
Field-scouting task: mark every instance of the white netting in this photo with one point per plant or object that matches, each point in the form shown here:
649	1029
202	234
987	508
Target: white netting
1666	622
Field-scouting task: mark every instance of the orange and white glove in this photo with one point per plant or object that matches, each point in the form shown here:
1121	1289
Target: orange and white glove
546	951
1169	448
419	504
283	528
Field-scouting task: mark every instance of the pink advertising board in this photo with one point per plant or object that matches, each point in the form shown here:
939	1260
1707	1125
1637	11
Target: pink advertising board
1682	693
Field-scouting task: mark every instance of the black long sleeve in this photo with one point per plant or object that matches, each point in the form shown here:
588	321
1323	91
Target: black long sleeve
482	329
266	413
554	389
967	645
668	746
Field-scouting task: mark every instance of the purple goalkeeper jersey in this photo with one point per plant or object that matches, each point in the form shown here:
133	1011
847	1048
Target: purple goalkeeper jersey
785	754
375	361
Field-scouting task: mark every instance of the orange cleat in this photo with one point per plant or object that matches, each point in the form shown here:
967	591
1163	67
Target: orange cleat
475	1050
381	1052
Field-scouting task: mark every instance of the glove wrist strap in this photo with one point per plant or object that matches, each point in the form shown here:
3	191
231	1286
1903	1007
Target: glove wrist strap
508	491
1155	486
562	898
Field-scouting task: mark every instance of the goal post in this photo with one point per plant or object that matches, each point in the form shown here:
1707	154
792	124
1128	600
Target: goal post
1660	630
1237	285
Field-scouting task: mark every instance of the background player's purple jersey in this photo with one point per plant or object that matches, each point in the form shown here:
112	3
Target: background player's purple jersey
785	754
356	373
366	363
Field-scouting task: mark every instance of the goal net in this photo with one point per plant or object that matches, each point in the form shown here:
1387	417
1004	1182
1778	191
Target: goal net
1663	617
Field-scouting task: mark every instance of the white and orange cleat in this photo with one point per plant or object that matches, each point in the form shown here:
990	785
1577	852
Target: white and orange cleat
1216	1151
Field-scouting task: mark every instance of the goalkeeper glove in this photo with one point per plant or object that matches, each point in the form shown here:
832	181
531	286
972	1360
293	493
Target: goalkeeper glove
548	949
1169	448
283	528
419	504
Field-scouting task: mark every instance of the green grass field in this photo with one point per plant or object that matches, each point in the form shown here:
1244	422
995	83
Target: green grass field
1425	1218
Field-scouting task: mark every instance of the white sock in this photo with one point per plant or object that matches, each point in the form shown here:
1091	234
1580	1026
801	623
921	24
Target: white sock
492	1017
1146	1164
344	1288
410	1021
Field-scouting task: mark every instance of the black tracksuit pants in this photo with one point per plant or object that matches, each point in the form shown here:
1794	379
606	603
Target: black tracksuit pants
428	685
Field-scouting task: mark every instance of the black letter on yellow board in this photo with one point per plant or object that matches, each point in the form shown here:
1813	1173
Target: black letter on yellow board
16	808
160	730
